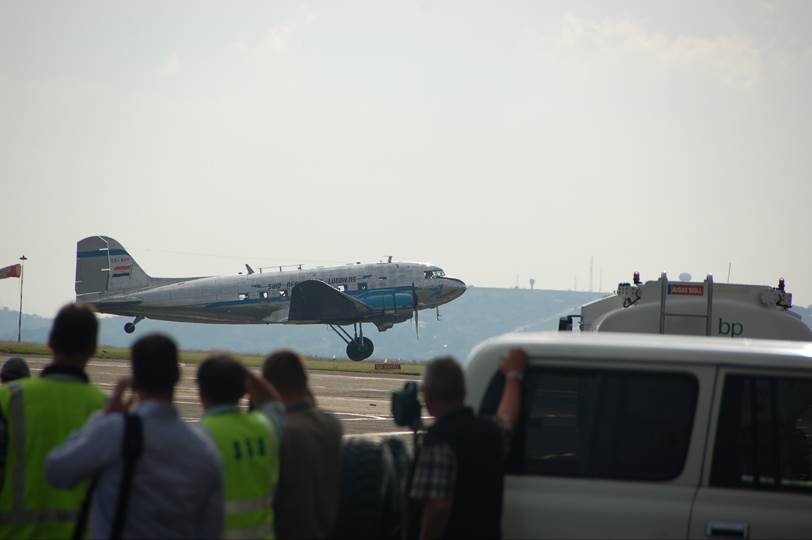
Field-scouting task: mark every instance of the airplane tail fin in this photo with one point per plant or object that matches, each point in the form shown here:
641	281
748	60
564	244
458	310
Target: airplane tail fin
103	267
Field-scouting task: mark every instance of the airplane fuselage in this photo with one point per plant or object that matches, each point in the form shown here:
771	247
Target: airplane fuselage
265	297
384	294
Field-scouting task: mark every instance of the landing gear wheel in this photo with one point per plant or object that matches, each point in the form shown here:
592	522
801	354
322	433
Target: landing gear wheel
360	349
129	328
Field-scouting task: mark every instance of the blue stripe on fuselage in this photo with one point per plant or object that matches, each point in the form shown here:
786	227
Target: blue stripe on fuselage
358	295
100	253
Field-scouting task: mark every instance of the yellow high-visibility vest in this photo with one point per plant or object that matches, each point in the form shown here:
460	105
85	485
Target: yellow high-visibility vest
250	455
40	413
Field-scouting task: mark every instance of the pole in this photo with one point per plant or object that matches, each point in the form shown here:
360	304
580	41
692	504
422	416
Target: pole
20	314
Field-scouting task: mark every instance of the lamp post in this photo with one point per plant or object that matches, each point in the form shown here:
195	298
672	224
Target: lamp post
20	314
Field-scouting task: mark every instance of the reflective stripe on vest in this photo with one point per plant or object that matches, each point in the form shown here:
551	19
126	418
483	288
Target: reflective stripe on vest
263	531
249	505
18	421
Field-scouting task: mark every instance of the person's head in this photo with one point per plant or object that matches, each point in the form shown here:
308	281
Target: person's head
14	368
155	366
73	335
221	381
443	386
285	370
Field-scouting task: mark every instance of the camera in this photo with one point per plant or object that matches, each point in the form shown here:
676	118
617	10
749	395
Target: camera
406	407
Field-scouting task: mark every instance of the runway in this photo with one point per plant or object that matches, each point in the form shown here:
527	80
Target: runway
359	400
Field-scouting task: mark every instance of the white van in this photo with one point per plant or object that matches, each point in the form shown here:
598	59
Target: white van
650	436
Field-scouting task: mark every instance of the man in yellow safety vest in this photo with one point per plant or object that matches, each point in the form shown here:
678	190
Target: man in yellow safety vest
36	415
248	443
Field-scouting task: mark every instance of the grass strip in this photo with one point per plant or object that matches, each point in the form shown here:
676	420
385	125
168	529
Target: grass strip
195	357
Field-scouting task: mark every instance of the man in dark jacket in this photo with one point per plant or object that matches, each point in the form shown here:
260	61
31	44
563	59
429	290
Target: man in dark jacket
459	474
308	492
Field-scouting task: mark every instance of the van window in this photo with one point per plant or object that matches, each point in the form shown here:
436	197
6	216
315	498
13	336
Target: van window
630	425
764	433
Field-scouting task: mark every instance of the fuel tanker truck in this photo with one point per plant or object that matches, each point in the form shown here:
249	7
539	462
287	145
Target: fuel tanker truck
702	308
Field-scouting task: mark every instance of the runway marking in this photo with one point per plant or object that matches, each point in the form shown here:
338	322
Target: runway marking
377	434
362	416
345	376
343	398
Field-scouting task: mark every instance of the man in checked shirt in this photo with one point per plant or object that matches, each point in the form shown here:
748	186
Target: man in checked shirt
459	474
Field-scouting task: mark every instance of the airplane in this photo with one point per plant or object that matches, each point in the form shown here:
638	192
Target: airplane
110	281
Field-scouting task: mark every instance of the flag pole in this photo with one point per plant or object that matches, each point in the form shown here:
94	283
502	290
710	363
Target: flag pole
20	314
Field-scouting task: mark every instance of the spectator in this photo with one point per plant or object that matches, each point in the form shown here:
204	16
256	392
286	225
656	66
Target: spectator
458	478
176	487
36	415
306	504
14	368
248	443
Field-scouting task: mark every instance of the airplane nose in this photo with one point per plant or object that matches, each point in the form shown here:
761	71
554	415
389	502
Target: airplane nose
455	287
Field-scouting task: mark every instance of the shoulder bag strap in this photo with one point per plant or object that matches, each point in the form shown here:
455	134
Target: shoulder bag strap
131	451
81	519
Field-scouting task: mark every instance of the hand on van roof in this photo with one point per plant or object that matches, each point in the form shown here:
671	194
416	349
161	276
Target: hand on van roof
515	361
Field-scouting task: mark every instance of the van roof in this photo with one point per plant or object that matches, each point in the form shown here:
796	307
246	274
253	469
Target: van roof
651	348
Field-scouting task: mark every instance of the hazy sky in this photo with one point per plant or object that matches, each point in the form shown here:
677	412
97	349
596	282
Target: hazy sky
491	138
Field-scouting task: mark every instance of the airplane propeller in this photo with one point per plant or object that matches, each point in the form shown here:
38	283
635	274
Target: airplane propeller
414	307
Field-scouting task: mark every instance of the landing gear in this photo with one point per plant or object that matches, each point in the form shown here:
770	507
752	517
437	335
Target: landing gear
358	347
130	326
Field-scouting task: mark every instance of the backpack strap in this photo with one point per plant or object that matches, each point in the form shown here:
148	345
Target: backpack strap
131	450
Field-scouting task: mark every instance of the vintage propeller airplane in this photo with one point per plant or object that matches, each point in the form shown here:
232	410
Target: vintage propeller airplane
109	280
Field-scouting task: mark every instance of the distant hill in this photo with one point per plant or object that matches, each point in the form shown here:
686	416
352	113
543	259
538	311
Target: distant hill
479	314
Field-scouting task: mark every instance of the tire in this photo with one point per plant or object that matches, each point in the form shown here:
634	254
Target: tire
360	350
367	347
367	482
354	352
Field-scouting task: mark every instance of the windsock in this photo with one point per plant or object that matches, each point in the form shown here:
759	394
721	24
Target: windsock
11	271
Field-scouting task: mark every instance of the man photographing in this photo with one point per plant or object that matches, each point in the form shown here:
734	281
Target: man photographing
459	474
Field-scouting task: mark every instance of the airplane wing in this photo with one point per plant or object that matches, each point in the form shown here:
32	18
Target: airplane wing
315	301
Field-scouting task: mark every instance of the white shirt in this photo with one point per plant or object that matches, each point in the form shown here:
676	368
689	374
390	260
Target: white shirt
177	486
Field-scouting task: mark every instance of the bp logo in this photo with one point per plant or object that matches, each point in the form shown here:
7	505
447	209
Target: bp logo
731	329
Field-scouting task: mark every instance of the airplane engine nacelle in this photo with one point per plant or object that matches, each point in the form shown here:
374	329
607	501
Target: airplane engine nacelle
390	302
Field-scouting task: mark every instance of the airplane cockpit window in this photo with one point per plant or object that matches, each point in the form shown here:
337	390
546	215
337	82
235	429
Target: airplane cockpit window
431	274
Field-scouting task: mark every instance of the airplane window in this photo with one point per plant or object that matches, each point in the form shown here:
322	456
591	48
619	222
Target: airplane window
362	286
428	274
341	288
264	295
243	296
283	292
431	274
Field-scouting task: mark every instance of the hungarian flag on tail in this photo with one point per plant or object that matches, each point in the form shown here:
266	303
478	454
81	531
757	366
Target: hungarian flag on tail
11	271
